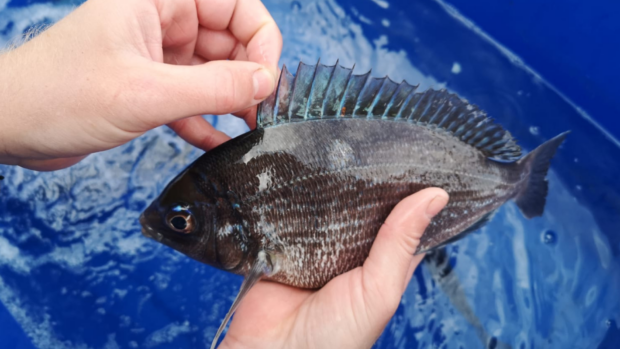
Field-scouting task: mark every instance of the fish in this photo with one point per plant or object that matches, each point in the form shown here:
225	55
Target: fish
300	199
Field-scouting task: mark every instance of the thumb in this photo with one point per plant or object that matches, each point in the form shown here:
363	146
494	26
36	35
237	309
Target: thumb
388	268
216	87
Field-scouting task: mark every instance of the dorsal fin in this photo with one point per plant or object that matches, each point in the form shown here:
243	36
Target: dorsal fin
322	92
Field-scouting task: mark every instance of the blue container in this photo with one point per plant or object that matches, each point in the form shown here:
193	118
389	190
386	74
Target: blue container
76	273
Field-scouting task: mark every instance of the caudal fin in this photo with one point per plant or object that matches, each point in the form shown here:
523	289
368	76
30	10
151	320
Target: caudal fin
533	196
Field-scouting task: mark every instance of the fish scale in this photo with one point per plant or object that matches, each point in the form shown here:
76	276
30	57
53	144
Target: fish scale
300	199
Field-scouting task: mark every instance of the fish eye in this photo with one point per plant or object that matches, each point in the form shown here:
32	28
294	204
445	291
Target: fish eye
181	220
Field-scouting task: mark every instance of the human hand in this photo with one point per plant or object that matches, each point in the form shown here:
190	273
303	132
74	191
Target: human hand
352	309
114	69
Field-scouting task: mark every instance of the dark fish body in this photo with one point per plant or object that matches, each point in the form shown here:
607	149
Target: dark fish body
311	192
320	190
301	199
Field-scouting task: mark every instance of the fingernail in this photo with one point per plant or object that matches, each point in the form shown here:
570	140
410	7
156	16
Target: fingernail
263	84
436	205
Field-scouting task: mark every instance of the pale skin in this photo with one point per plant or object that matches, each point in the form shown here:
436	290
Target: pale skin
114	69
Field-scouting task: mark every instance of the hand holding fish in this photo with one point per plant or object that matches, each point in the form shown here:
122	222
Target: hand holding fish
114	69
351	310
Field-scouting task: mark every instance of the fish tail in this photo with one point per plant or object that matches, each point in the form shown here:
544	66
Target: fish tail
532	197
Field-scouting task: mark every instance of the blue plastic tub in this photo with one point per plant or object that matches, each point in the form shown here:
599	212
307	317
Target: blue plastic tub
75	271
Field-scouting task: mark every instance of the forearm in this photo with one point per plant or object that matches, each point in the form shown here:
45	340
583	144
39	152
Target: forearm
43	96
24	95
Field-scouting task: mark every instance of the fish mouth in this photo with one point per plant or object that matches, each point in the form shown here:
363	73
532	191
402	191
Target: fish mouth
148	231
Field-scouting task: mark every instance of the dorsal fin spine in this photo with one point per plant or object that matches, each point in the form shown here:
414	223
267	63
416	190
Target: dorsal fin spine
435	118
316	67
371	108
487	137
454	125
467	136
479	136
418	104
402	113
427	114
367	97
275	104
292	93
480	132
422	106
465	127
456	113
329	83
496	145
385	94
356	99
340	97
451	127
471	135
447	118
350	80
482	142
285	97
426	117
391	101
406	102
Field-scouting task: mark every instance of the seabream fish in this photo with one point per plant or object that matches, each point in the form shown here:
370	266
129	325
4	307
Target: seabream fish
300	199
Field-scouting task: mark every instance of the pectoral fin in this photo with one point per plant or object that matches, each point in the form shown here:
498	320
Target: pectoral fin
261	267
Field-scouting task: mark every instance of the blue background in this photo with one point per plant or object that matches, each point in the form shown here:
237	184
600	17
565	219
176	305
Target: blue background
573	44
75	272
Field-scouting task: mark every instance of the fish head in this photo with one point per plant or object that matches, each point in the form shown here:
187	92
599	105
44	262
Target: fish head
193	219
